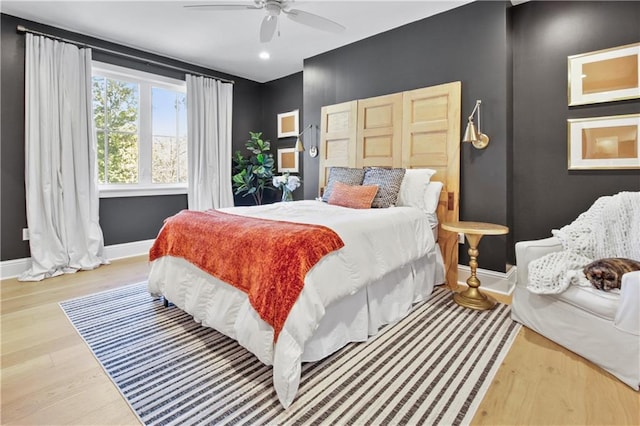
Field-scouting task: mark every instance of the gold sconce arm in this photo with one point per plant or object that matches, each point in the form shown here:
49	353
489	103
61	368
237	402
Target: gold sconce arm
478	139
299	147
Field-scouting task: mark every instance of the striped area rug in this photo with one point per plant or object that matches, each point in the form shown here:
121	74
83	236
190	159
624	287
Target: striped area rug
433	367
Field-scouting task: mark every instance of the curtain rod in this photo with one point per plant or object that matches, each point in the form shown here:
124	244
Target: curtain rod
23	29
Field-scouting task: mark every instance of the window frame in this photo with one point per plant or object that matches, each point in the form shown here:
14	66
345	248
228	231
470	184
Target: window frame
146	81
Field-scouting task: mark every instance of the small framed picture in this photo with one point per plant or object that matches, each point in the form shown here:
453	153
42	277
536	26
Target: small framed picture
605	75
288	124
604	142
287	160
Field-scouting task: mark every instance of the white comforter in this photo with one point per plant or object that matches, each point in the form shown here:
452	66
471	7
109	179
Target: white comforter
376	241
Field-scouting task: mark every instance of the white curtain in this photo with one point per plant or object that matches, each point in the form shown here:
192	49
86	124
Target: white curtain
209	108
60	160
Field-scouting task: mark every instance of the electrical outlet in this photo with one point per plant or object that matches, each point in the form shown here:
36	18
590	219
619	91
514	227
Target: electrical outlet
460	238
25	234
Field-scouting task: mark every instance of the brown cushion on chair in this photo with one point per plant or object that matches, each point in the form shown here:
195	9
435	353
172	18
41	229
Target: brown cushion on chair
606	274
353	196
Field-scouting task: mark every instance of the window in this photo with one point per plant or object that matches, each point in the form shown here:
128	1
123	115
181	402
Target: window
141	132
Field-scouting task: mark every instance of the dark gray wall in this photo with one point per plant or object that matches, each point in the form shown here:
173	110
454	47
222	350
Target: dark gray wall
277	96
546	195
122	219
12	194
144	215
469	44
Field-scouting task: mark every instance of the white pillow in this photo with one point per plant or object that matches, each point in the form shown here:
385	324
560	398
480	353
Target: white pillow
432	196
413	187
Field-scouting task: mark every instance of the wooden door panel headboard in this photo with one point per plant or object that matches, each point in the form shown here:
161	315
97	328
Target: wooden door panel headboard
413	129
338	137
379	135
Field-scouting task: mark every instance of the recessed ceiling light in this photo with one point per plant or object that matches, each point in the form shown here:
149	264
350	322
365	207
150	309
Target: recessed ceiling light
264	55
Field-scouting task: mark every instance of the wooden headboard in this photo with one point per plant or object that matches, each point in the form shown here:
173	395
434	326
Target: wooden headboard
414	129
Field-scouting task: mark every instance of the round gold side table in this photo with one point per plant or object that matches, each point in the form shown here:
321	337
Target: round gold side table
474	231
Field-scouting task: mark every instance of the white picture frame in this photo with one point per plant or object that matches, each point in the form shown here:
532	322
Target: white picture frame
288	124
288	160
604	143
604	75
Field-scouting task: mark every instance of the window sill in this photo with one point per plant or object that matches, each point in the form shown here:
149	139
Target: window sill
116	191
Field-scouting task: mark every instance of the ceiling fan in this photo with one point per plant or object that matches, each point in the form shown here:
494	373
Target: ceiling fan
273	9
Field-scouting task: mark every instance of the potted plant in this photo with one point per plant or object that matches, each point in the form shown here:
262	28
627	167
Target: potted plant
253	174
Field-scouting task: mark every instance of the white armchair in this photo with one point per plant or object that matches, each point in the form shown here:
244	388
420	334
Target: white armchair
602	327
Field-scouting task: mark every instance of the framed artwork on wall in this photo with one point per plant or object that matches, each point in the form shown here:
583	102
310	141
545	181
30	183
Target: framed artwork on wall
287	160
605	75
604	142
288	124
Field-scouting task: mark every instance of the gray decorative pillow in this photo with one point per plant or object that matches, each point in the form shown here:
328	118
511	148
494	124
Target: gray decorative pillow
345	175
388	181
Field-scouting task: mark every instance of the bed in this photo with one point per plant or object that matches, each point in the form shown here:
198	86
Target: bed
389	261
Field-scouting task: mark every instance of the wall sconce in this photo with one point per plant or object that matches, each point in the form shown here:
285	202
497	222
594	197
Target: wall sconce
478	139
299	147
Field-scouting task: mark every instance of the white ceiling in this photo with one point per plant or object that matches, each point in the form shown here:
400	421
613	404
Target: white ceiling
226	41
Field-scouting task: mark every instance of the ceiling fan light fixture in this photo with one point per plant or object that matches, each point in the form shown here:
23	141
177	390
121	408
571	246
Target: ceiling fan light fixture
273	9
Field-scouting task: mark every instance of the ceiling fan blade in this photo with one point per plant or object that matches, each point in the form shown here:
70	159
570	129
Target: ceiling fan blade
315	21
268	28
221	6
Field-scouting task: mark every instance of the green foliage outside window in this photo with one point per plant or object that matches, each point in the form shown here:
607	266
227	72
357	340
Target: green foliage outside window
169	160
115	111
169	136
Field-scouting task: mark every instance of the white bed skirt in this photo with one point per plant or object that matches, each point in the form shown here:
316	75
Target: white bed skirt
352	319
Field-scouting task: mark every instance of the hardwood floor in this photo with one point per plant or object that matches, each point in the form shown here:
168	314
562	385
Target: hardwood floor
50	377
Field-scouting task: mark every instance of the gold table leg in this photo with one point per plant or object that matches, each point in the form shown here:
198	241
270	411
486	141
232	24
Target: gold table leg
472	297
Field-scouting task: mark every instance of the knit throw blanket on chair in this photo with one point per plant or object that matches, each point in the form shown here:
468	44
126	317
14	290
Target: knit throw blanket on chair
610	228
267	259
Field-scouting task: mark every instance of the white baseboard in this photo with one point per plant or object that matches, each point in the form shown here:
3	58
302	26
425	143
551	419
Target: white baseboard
15	267
120	251
497	282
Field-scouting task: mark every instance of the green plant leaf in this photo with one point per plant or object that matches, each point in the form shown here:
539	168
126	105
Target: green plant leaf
254	174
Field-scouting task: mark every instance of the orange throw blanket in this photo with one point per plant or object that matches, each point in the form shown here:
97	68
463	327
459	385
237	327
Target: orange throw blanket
267	259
